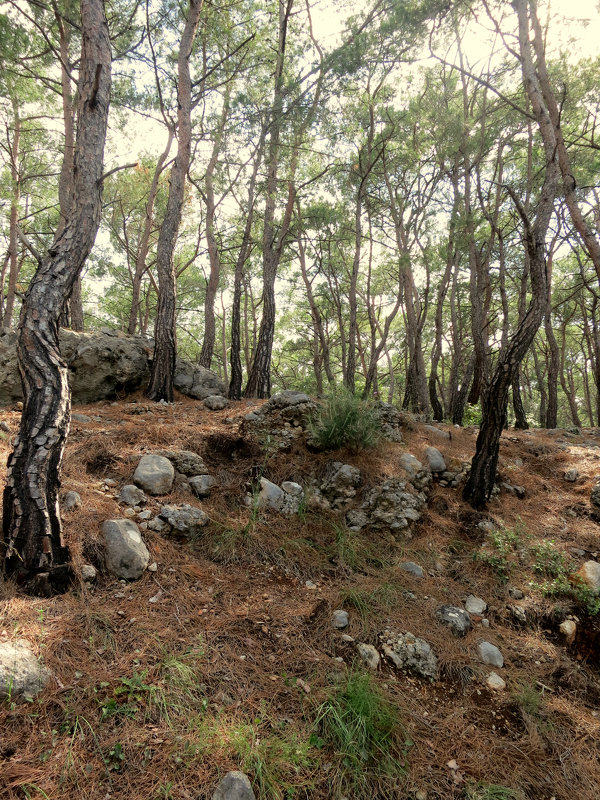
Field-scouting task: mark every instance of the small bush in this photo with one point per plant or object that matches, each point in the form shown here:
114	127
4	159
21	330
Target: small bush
345	420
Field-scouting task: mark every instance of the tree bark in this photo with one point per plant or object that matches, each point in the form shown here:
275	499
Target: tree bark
165	349
35	551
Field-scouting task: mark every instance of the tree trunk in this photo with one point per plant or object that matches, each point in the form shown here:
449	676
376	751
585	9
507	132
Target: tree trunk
521	423
35	551
165	350
13	251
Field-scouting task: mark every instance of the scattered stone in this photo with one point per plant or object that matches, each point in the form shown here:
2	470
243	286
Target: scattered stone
435	460
131	495
519	491
129	512
347	638
153	567
490	654
4	426
126	554
340	483
185	461
144	515
589	574
292	488
571	475
156	525
438	432
80	418
155	474
234	786
456	618
515	593
568	628
287	398
518	613
340	619
410	464
411	653
595	495
184	520
495	682
110	482
215	402
89	573
202	484
485	622
413	569
21	674
310	585
368	655
71	501
475	605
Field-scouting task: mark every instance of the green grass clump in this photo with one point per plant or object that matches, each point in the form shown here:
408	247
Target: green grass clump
364	729
491	791
345	420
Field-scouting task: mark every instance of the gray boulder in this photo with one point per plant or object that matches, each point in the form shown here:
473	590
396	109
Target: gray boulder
388	507
490	654
340	619
475	605
410	653
286	499
185	461
571	475
71	501
437	432
184	520
215	402
286	399
234	786
126	554
589	574
456	618
410	464
131	495
202	484
196	381
390	421
154	474
368	655
340	483
412	569
21	674
435	460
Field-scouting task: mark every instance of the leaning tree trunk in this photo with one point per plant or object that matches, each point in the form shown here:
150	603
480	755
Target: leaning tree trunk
35	551
163	364
480	484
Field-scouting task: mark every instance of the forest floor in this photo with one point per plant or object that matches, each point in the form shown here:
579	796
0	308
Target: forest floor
225	657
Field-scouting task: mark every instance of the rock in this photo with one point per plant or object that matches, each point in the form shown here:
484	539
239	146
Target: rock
410	464
184	520
495	682
413	569
144	515
571	475
196	381
292	488
185	461
390	421
21	674
153	567
595	495
89	573
101	365
157	525
568	628
437	432
390	506
411	653
518	613
287	398
126	554
340	619
589	574
435	460
270	496
475	605
202	484
71	501
155	474
368	655
515	593
215	402
80	418
490	654
340	483
234	786
456	618
4	426
131	495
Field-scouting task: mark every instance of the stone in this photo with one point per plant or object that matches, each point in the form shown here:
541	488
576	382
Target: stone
185	461
154	474
202	484
153	567
495	682
368	655
80	418
184	520
411	653
270	495
196	381
390	506
156	525
89	573
234	786
21	674
144	515
437	432
390	421
126	554
456	618
571	475
410	464
595	495
340	483
287	398
4	426
129	512
490	654
412	569
435	460
292	488
71	501
515	593
131	495
568	628
215	402
475	605
589	574
340	619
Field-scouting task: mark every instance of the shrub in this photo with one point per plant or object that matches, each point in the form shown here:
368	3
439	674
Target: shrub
345	420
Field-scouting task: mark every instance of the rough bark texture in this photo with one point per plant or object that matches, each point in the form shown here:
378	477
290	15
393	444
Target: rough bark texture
31	519
163	365
481	480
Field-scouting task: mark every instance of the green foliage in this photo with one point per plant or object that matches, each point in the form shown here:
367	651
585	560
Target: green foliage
364	729
491	791
345	420
500	551
550	564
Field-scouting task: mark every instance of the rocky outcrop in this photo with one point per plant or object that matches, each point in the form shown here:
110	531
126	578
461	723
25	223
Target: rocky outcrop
391	506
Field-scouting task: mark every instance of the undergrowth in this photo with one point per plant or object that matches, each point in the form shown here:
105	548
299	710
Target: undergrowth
345	420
